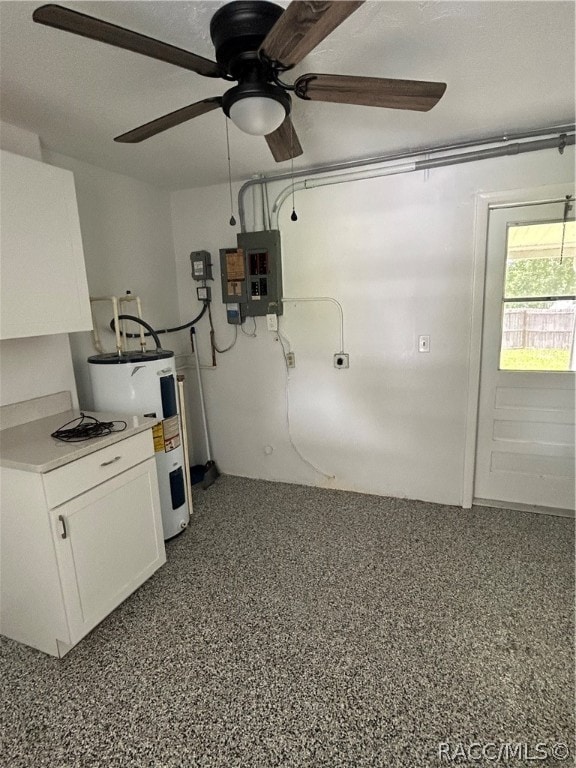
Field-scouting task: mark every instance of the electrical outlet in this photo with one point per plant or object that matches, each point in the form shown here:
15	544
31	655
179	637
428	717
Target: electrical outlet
290	360
341	360
272	322
423	343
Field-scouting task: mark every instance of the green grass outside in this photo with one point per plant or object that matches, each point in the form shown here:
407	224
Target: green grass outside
535	360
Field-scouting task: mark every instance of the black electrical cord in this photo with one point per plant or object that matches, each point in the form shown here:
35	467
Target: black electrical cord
213	344
153	332
85	428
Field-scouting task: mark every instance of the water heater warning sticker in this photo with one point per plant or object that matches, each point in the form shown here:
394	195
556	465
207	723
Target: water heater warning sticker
158	435
166	435
171	433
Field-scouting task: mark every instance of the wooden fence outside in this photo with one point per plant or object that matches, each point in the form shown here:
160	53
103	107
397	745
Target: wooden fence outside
530	328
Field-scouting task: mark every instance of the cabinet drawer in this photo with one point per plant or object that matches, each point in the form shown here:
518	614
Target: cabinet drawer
77	477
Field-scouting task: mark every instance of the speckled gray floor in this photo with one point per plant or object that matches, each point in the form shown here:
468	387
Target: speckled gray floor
303	628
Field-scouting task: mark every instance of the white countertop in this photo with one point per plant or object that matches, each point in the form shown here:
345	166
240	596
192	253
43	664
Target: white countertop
29	446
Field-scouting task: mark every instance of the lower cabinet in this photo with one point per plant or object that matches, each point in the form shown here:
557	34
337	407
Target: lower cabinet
107	544
64	569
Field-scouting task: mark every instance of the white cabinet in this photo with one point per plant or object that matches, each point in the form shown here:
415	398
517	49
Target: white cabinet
75	542
42	272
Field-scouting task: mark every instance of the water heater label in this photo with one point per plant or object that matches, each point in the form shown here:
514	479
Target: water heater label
171	433
158	435
166	435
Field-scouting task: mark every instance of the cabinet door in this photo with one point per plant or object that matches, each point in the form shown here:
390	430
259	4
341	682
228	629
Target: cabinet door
43	276
108	542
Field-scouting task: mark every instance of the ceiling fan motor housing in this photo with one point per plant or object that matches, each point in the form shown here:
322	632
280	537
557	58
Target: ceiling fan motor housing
237	31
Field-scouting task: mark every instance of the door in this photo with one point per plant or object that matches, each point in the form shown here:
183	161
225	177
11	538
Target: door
108	542
44	288
525	437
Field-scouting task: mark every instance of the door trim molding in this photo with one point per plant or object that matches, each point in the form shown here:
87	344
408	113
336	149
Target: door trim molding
511	198
533	508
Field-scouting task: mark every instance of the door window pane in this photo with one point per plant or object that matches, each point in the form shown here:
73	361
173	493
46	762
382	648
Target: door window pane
539	303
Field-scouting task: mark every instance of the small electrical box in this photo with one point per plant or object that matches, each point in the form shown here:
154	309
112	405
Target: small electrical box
204	293
201	262
252	273
235	314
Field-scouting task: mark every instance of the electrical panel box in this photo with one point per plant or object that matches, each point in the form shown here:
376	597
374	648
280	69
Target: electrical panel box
264	272
252	273
201	262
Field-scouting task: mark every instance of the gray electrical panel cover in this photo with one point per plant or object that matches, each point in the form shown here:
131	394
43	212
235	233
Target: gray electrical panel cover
252	273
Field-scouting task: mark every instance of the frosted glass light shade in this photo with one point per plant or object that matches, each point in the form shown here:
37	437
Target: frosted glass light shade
257	115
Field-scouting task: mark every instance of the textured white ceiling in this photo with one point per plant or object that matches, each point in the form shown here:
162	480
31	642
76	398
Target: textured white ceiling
509	67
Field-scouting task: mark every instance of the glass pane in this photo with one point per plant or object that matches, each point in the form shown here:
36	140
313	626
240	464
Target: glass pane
536	262
538	336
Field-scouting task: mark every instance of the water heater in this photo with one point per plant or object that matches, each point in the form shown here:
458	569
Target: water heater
144	384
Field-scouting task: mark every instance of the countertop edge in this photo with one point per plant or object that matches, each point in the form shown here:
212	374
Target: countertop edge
75	450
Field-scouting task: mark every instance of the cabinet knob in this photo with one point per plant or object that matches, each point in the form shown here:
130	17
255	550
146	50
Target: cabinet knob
107	463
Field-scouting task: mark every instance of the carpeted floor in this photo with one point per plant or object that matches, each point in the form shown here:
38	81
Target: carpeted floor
304	628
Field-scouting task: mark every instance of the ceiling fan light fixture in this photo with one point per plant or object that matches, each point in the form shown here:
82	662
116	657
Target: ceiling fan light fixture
257	115
256	108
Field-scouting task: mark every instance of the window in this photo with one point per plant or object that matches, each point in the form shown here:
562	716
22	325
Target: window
539	303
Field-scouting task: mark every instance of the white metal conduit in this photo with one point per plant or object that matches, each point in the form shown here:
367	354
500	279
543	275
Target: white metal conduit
322	181
558	138
323	298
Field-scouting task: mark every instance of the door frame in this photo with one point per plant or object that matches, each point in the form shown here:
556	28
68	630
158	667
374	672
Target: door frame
485	202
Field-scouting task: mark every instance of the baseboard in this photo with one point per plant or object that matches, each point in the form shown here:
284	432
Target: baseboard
556	511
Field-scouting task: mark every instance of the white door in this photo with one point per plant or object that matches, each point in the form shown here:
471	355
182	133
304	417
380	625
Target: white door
44	288
525	438
108	542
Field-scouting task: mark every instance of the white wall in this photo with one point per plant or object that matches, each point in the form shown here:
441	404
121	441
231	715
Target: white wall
127	237
397	252
40	365
19	141
35	366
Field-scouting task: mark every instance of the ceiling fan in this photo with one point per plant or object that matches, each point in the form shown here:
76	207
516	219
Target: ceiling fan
255	43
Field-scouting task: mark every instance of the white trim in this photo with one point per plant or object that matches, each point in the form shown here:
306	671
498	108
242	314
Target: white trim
484	203
532	508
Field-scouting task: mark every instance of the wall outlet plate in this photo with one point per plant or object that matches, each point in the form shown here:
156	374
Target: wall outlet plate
341	360
290	360
423	343
272	322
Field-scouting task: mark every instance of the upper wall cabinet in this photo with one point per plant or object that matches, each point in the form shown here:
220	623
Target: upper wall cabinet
43	286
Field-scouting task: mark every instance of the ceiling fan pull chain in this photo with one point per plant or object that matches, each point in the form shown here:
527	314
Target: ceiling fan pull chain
232	219
293	215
